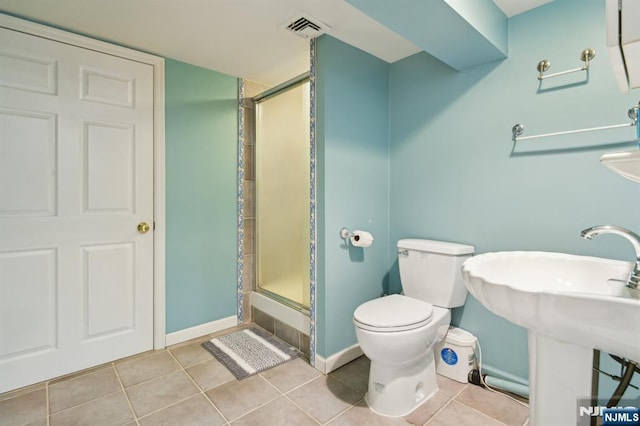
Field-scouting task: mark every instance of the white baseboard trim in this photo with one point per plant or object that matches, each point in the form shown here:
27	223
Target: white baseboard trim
501	374
200	330
337	360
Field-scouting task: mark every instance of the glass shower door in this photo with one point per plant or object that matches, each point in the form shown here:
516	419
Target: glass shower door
282	195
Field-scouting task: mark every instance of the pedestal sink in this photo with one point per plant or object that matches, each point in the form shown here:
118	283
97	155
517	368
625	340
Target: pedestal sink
570	305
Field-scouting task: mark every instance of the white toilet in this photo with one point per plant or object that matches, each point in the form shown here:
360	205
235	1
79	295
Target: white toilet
398	332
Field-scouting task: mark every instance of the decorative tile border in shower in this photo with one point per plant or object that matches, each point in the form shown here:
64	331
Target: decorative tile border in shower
240	200
312	217
312	209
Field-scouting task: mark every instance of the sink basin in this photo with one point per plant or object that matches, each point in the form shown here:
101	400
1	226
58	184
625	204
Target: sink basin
570	305
626	164
576	299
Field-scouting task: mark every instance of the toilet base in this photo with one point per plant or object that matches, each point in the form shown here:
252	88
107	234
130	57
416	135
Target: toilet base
396	390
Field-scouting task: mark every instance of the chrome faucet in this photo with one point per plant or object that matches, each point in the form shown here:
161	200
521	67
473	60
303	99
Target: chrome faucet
634	277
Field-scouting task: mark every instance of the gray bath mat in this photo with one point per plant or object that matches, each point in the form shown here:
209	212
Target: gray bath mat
249	351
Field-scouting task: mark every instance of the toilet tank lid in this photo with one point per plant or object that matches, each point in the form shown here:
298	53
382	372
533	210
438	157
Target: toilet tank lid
460	337
433	246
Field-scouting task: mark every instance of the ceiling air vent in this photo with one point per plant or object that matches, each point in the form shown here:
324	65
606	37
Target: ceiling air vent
305	26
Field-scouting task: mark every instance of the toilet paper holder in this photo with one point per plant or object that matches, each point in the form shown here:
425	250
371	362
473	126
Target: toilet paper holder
345	234
357	238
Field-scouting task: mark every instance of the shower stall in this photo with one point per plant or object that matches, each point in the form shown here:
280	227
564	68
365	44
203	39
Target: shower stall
282	195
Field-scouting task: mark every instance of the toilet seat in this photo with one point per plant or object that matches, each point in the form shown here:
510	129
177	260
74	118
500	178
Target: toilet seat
393	313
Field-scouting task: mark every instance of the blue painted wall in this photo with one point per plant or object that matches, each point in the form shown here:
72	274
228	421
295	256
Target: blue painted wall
352	172
201	140
457	176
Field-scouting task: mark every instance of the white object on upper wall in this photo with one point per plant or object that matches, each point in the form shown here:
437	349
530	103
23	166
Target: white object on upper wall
623	41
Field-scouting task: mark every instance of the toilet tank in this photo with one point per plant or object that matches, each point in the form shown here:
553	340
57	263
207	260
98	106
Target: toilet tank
431	271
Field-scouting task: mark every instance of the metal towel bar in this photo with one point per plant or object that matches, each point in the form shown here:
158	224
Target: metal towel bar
586	56
518	130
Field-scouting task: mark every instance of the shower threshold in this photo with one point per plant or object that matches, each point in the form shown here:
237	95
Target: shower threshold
297	318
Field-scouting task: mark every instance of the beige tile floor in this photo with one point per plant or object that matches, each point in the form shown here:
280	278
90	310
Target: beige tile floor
185	385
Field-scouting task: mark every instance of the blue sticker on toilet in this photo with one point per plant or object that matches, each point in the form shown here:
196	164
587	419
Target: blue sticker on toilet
449	356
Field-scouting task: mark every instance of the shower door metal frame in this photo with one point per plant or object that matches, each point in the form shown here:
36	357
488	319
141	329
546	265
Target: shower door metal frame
269	94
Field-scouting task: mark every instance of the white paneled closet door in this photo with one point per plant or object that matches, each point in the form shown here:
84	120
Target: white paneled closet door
76	188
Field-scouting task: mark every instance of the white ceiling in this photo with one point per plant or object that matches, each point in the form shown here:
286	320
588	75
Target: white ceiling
236	37
515	7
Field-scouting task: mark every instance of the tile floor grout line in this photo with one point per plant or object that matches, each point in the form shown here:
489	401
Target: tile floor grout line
126	395
135	357
169	405
468	406
299	386
462	389
486	415
284	394
267	380
254	409
352	389
344	382
481	413
322	375
194	364
19	394
439	411
451	399
351	407
195	340
301	409
344	411
77	374
152	378
85	403
347	385
202	391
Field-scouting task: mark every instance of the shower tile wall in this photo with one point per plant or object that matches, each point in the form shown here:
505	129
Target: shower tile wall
287	333
251	89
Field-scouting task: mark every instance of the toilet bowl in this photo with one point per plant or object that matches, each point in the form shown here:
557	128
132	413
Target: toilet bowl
402	374
398	332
